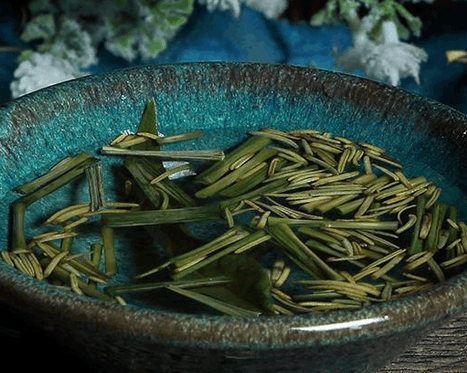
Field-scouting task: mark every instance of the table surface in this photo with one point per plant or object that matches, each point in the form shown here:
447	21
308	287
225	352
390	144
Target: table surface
442	351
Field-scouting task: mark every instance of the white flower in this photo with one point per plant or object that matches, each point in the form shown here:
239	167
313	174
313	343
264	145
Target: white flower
391	60
270	8
39	71
232	5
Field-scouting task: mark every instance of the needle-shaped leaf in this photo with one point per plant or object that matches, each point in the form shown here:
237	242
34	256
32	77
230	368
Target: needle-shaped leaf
58	170
148	121
155	217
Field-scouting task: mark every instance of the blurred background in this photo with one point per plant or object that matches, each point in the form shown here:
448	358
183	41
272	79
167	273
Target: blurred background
418	45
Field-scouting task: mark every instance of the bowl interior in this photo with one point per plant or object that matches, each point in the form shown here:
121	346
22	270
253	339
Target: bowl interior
226	102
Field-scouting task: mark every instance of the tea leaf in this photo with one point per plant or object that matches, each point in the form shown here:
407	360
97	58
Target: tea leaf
218	169
58	182
210	155
250	280
439	210
233	176
168	216
228	308
254	239
58	170
148	121
108	248
163	284
177	138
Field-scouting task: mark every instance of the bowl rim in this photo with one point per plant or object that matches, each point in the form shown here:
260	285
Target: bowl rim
406	313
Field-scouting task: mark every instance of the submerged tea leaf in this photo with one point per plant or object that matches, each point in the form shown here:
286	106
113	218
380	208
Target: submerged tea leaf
250	280
228	307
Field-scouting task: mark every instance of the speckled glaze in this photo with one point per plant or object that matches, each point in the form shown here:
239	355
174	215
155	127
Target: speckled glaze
228	100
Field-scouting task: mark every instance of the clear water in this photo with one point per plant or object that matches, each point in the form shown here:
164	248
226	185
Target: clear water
226	117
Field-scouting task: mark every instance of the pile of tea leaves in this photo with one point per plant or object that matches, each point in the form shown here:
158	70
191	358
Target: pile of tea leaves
346	227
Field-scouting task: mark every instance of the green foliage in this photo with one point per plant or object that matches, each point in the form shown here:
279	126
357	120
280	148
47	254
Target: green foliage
74	29
379	10
61	36
42	6
40	27
145	27
336	11
157	46
396	12
25	55
415	23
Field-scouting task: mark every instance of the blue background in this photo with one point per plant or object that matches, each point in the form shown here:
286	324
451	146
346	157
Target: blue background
219	36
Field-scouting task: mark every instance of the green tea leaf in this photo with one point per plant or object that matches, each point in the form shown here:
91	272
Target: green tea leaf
250	281
218	298
148	121
154	217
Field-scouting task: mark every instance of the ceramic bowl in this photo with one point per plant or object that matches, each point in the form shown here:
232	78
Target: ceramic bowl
227	100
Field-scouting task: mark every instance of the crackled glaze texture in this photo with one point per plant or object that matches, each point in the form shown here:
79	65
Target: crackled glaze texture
228	100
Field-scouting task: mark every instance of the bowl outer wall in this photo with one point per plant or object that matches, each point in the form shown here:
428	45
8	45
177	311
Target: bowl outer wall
79	102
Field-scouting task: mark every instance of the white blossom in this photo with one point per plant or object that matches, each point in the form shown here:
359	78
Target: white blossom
270	8
232	5
39	71
392	60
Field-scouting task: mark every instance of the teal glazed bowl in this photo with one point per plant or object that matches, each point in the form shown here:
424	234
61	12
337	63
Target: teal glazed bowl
227	100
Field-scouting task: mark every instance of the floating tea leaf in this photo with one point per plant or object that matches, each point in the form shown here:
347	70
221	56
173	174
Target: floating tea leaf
343	214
